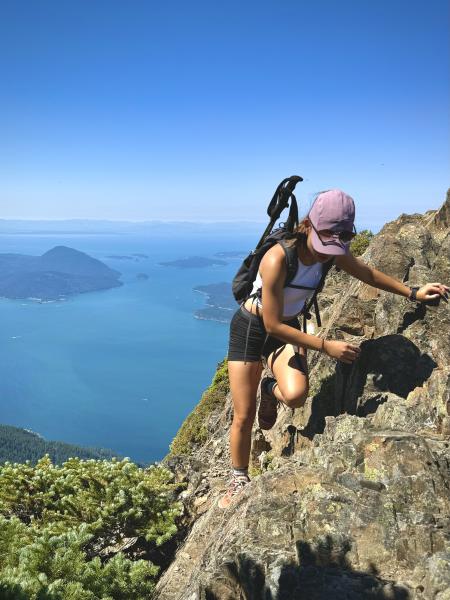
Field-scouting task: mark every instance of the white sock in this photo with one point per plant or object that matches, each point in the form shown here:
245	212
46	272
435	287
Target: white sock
240	472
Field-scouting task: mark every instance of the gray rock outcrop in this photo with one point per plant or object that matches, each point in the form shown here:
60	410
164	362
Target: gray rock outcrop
350	495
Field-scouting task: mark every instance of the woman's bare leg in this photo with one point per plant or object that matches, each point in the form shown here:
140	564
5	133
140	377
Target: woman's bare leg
244	381
291	372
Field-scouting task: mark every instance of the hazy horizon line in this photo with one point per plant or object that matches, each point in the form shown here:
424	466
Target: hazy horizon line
103	220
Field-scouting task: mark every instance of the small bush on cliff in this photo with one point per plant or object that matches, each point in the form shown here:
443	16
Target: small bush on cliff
360	242
54	520
193	431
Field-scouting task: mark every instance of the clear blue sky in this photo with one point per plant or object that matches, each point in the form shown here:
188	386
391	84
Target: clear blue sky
196	110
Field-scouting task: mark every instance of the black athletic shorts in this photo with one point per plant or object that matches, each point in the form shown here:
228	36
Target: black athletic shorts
248	329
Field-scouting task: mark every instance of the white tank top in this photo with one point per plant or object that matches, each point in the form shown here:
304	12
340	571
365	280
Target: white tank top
294	299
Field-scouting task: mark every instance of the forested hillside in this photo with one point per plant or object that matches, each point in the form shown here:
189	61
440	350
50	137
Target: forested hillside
20	445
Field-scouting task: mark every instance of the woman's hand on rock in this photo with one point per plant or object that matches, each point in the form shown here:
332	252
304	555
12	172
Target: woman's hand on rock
432	291
342	351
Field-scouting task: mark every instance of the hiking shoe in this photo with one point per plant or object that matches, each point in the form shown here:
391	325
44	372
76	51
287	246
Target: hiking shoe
237	483
268	406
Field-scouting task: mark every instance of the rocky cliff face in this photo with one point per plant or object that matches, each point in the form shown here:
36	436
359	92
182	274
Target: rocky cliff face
350	495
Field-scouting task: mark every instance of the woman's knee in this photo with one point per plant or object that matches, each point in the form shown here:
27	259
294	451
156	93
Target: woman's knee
244	420
295	397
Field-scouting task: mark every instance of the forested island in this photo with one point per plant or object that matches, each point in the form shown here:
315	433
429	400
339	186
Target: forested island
60	272
220	302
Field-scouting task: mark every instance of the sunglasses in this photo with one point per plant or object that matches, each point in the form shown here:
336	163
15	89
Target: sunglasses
328	237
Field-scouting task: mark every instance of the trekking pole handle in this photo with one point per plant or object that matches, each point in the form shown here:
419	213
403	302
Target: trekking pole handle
279	202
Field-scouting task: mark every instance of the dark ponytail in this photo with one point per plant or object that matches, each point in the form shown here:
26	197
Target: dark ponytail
299	235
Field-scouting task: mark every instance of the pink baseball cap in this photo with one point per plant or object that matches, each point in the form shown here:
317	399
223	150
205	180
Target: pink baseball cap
334	210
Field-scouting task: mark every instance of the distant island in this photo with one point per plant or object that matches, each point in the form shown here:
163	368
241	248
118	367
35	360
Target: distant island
19	445
121	257
233	254
60	272
220	302
193	262
135	256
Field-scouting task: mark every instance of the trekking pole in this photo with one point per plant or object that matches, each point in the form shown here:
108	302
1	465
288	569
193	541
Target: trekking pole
279	202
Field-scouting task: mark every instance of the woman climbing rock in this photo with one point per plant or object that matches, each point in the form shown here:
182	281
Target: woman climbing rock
270	328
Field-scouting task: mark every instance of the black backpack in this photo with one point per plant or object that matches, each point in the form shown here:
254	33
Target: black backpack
243	280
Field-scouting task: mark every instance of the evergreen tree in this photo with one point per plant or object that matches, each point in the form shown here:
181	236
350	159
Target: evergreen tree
56	520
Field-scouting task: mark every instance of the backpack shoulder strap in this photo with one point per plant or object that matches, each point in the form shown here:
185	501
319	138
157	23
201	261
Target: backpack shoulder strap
291	261
327	266
313	300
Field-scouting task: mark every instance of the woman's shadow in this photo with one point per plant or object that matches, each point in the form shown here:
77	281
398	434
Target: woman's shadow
322	573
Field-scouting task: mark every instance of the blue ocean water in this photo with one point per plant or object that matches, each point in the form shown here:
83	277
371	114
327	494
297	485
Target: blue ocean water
121	368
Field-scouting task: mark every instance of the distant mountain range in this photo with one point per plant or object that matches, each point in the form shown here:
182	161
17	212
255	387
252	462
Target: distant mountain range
102	226
60	272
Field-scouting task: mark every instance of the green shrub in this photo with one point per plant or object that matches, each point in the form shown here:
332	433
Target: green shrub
254	471
55	519
268	464
360	242
193	431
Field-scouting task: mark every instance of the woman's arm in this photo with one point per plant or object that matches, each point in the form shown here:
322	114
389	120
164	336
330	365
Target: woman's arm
273	274
357	268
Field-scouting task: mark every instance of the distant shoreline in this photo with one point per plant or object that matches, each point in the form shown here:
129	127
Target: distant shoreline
220	302
201	318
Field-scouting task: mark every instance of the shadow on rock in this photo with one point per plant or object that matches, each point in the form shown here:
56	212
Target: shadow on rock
322	573
391	363
388	364
410	317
